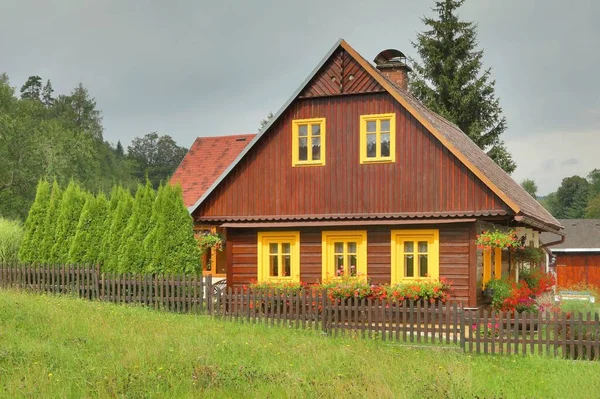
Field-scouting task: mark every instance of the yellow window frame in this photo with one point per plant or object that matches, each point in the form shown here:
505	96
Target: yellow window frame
328	251
281	237
487	265
363	138
398	237
296	123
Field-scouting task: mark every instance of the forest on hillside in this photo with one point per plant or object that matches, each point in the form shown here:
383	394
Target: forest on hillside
60	137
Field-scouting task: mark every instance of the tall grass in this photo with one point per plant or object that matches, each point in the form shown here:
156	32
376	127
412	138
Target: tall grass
53	347
11	235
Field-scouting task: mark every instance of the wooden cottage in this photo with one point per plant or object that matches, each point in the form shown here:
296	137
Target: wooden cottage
355	175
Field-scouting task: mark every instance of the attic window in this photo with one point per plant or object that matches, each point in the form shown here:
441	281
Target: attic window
308	142
241	139
377	138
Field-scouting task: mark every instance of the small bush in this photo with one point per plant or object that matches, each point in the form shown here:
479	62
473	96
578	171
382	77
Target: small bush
277	286
11	236
502	290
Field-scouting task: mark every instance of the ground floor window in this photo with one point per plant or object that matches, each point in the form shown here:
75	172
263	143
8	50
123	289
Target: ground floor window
279	256
415	255
344	253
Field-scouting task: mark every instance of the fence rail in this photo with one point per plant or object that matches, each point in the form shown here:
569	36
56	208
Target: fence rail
573	336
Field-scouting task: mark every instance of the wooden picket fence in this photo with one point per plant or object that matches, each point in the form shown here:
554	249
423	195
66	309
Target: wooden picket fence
573	336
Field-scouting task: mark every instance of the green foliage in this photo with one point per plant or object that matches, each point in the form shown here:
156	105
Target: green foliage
50	222
530	186
11	235
113	237
572	197
34	225
155	157
501	290
450	80
87	242
171	246
207	241
592	210
72	202
132	256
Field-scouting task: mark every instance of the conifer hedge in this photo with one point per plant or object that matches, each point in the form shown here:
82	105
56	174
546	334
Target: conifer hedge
152	233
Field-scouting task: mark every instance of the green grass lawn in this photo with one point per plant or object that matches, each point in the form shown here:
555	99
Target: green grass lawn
66	347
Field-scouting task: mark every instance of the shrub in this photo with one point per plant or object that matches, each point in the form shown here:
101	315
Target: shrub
537	280
11	235
276	287
116	223
66	226
34	225
501	291
50	222
90	229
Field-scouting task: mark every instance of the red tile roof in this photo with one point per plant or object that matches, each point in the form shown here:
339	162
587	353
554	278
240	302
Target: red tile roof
205	161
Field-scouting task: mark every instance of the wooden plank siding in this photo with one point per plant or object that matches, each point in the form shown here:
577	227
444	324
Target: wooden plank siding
341	75
575	268
426	177
454	255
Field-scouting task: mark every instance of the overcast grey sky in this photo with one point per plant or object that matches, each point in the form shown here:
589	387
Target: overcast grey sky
200	68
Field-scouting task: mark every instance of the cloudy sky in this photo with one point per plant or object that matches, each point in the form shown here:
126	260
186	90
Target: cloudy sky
200	68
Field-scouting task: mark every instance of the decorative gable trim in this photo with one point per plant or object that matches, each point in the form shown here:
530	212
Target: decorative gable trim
341	74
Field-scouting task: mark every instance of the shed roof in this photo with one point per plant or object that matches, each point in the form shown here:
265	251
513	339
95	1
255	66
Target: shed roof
580	234
206	160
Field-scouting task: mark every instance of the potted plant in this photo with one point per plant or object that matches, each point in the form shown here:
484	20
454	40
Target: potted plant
210	240
489	239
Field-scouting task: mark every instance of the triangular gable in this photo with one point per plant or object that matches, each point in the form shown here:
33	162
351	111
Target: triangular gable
341	74
342	50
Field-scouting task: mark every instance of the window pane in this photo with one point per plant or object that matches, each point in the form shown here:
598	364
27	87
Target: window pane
273	266
422	246
385	125
286	248
338	247
302	149
316	148
351	247
409	266
352	264
287	265
303	130
423	266
371	126
273	248
409	246
316	130
339	265
385	144
371	146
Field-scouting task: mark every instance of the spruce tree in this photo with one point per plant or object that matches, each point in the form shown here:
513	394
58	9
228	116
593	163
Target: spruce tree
131	252
34	225
50	221
450	81
68	218
113	237
172	245
87	242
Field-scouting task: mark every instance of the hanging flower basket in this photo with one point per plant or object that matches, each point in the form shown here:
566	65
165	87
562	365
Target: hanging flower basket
529	255
498	239
209	240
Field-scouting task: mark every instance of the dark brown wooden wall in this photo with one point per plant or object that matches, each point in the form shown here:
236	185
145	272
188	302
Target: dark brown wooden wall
577	268
454	255
340	75
424	178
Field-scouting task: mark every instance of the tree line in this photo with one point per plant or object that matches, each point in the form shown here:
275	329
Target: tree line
61	138
151	233
576	198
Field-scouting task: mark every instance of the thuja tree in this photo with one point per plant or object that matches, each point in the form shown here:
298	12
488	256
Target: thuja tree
171	246
90	229
131	251
34	225
48	232
116	223
66	225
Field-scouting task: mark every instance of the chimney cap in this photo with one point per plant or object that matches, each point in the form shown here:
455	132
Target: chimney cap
389	55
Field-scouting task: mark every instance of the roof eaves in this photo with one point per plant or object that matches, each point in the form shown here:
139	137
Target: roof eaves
272	121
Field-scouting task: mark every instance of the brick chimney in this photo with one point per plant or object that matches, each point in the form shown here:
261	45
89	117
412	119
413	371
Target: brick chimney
392	64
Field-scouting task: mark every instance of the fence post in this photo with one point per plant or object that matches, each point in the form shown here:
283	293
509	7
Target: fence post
324	310
209	294
462	328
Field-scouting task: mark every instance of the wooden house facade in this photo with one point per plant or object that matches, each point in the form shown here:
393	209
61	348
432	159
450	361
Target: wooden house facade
354	175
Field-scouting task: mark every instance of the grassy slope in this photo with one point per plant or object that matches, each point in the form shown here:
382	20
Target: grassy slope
65	347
